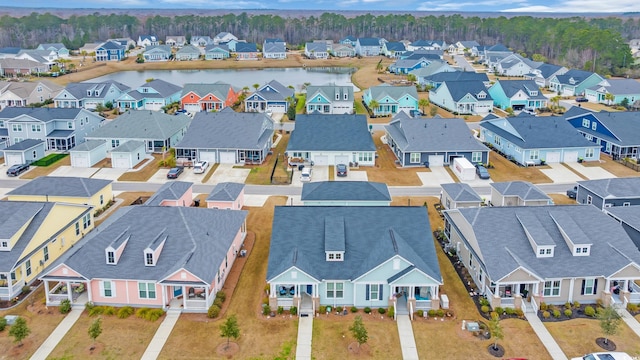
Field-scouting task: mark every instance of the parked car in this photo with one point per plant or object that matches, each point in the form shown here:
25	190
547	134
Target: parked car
482	172
17	169
341	170
305	174
605	356
582	99
174	172
572	193
200	167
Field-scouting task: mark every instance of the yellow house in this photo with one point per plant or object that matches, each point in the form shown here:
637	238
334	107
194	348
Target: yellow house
73	190
33	235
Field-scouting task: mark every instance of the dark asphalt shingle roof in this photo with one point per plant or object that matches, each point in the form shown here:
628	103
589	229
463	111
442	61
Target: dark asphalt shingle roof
225	191
369	41
522	189
320	132
171	190
61	186
395	92
621	87
44	114
460	89
457	76
433	134
614	188
345	191
25	144
461	192
512	87
88	145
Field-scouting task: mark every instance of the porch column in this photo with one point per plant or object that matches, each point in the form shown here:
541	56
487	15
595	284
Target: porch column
46	290
571	283
496	291
89	293
412	292
163	291
607	285
69	291
272	291
184	296
435	291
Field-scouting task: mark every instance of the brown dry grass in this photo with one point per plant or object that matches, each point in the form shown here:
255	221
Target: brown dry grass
386	170
577	337
505	170
37	171
617	169
40	319
210	172
562	199
261	174
145	173
129	197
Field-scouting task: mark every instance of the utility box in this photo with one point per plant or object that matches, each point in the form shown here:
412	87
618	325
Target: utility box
463	168
444	301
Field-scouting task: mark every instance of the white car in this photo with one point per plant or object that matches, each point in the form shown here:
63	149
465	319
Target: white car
200	167
305	174
605	356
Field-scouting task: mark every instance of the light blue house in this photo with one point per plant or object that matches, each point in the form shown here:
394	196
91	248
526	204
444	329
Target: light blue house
433	68
152	95
368	47
404	66
329	99
157	53
345	193
59	48
620	89
517	95
110	51
338	256
391	99
574	82
216	52
188	52
532	140
462	97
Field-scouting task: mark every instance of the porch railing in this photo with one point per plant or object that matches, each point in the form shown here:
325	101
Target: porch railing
534	305
508	302
15	289
423	304
286	303
395	311
57	298
411	310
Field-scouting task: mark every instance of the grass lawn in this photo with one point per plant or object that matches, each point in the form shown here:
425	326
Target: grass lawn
386	170
578	337
261	174
145	173
39	319
301	99
617	169
562	199
505	170
37	171
360	108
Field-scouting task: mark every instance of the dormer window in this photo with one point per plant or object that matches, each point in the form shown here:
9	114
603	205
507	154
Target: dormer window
534	93
335	256
545	252
586	123
346	96
581	250
148	259
111	257
482	95
88	92
96	93
337	96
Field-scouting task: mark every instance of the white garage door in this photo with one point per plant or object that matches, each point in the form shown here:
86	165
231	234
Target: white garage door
209	156
436	160
406	109
321	160
80	160
192	108
120	162
277	108
228	157
342	159
571	156
155	106
553	157
13	159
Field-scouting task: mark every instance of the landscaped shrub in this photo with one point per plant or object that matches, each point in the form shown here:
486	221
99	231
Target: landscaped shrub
432	313
567	305
96	310
589	311
65	306
109	310
354	309
390	311
221	295
154	314
556	313
265	301
280	310
3	323
420	313
293	310
382	310
499	310
440	312
26	289
519	313
632	307
568	312
494	315
600	303
543	306
483	301
125	312
339	309
576	304
546	314
218	302
367	310
266	310
510	311
322	309
214	311
483	308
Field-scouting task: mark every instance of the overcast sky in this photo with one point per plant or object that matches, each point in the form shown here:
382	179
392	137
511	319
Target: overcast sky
572	6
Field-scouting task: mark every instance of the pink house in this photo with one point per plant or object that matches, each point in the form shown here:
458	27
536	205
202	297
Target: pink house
226	195
151	256
172	193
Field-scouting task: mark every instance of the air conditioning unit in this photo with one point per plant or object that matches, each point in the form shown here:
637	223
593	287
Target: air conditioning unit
41	262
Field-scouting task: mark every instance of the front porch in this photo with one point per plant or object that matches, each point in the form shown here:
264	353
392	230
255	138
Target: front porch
511	295
74	290
9	289
408	299
61	140
188	298
302	296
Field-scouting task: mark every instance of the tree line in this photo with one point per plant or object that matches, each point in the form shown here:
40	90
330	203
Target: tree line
591	43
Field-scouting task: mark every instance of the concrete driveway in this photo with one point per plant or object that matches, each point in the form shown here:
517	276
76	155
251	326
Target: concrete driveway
318	173
560	174
226	173
70	171
108	174
437	176
592	173
160	177
352	175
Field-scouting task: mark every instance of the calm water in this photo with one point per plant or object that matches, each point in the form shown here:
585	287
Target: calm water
240	78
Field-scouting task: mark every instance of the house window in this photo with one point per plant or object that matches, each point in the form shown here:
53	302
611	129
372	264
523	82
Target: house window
498	140
4	244
337	96
534	155
335	290
1	123
365	157
374	291
589	287
27	265
77	228
148	259
115	143
541	251
101	199
45	250
69	125
626	204
415	158
346	96
147	290
594	126
586	123
107	289
16	127
551	288
589	153
476	157
36	128
482	96
589	199
111	257
470	259
86	221
588	137
548	251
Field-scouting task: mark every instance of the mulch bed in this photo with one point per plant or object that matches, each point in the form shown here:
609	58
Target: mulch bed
577	313
227	350
4	304
608	346
497	351
359	351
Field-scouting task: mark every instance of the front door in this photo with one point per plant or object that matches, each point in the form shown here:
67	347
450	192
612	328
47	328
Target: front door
177	291
310	289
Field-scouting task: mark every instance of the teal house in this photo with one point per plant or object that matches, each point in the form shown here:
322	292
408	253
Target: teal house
517	95
619	89
216	52
574	82
391	99
152	95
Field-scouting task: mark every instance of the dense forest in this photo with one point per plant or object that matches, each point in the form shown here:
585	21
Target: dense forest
591	43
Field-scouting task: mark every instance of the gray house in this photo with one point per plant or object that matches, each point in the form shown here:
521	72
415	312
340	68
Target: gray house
345	193
24	152
629	218
459	195
605	193
227	137
518	193
433	141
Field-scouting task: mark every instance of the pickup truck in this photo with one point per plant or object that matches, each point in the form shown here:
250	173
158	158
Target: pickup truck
571	193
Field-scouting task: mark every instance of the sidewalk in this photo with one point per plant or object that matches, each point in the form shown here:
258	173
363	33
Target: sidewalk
629	320
545	337
305	333
407	340
56	336
161	336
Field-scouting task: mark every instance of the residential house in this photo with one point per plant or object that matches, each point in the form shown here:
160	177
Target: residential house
345	193
436	79
157	53
59	48
224	37
62	189
246	51
316	50
462	47
34	235
226	195
329	99
459	195
490	55
462	97
175	40
434	67
606	193
332	139
343	50
158	131
152	95
24	152
619	90
89	49
405	66
88	95
137	259
110	51
532	140
517	95
188	52
433	141
272	96
9	52
148	40
391	99
88	153
274	49
216	52
542	74
393	49
519	257
208	97
426	45
128	154
11	67
128	43
231	44
23	93
419	54
45	57
202	41
518	193
59	129
368	47
615	132
227	137
349	40
574	82
337	256
515	65
172	193
629	218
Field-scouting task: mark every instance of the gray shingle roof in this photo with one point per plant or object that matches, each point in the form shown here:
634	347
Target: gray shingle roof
458	76
171	190
621	87
142	124
329	92
511	87
281	92
44	114
25	144
547	70
197	239
522	189
503	245
460	89
165	89
225	191
316	47
627	214
298	239
128	146
273	47
461	192
395	92
320	132
88	145
395	46
577	75
228	129
246	47
614	188
61	186
433	134
79	90
345	190
369	41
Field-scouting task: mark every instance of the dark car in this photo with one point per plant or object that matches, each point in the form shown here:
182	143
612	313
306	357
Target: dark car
17	169
174	172
482	172
341	170
572	193
582	99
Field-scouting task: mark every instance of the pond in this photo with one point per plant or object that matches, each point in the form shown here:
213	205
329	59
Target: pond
239	78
